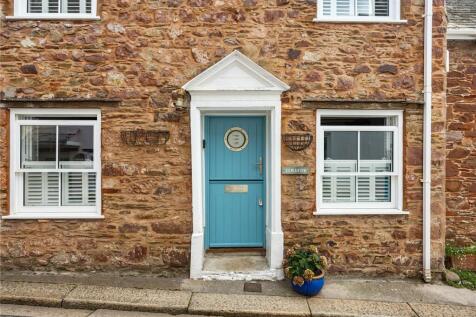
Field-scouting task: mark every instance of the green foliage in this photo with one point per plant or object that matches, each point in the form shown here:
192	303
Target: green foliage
452	250
468	279
304	263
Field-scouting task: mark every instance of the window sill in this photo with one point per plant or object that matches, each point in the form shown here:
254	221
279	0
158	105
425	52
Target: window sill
357	212
358	20
53	17
52	216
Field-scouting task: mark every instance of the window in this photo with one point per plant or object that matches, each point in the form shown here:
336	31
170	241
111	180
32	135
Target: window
55	163
358	10
55	9
359	161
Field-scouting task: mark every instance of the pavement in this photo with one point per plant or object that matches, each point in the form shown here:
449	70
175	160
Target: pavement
102	295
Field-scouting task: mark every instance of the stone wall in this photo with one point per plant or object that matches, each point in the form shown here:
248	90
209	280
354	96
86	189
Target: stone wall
142	52
461	145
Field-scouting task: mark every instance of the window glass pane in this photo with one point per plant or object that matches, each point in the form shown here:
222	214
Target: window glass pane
374	188
338	189
41	189
78	189
340	151
38	146
376	151
76	146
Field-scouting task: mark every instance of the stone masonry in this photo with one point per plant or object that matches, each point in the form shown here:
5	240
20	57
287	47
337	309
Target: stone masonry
461	145
141	52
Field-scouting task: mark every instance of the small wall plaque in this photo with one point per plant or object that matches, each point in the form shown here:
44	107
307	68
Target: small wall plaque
236	188
295	170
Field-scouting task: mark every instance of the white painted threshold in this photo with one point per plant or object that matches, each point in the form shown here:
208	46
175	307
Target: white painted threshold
267	275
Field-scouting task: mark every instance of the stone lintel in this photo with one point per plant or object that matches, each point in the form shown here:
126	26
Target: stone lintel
55	102
317	103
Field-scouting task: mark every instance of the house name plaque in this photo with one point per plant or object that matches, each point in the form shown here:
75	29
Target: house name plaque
295	170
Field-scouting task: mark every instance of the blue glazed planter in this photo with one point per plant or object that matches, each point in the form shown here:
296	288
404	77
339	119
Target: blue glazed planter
310	288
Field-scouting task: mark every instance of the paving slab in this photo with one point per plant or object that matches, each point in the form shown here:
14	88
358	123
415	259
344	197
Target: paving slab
104	297
38	311
95	278
434	310
121	313
247	305
323	307
402	291
43	294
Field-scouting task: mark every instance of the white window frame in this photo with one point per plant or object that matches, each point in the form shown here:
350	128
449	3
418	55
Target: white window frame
361	208
17	208
20	12
394	15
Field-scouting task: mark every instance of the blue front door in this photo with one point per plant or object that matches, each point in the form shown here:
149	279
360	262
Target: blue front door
235	181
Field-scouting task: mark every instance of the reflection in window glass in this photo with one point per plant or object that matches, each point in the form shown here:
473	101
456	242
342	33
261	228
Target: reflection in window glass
376	151
340	151
76	146
38	146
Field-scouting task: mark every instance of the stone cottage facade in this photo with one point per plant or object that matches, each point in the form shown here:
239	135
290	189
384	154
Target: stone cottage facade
461	125
107	125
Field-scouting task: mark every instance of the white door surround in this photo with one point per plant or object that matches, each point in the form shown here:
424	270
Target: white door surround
236	85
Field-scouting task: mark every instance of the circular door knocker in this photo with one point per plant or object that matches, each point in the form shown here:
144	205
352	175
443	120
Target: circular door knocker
236	139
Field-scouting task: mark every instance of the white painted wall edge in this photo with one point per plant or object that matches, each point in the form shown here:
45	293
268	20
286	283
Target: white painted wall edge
461	34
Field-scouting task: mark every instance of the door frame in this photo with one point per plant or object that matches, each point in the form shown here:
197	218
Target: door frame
262	115
267	103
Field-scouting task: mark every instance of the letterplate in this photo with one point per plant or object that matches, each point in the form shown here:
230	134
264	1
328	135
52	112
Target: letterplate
295	170
236	188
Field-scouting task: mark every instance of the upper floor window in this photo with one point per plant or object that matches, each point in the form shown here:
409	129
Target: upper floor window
55	9
55	163
358	10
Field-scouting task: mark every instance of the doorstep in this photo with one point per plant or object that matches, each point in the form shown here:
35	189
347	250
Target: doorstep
238	266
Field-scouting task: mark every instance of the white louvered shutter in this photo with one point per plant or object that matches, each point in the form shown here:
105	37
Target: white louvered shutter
41	189
382	8
59	6
374	188
91	189
35	6
54	6
74	6
344	7
327	7
339	188
363	7
79	188
355	7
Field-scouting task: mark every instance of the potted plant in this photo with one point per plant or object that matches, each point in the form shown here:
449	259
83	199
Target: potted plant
305	267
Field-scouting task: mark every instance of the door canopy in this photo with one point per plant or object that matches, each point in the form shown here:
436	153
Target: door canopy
235	72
